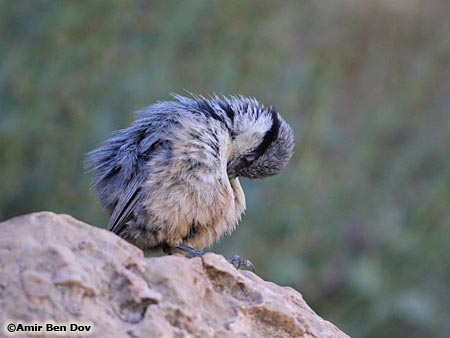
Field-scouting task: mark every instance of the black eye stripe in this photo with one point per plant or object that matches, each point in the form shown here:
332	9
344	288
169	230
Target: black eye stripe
269	137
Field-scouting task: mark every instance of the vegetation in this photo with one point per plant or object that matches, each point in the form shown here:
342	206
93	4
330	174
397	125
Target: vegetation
359	221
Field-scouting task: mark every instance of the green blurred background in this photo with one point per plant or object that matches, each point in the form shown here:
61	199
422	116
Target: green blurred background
358	222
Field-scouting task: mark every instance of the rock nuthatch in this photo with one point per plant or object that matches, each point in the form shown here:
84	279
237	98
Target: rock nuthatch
170	180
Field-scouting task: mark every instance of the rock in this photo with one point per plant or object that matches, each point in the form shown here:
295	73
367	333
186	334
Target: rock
56	269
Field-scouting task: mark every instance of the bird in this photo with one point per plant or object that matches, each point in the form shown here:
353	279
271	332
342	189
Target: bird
170	181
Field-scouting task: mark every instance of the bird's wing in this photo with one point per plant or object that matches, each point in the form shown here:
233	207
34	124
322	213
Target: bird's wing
132	194
124	208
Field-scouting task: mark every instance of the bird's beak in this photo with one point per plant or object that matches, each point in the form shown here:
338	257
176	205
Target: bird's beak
232	168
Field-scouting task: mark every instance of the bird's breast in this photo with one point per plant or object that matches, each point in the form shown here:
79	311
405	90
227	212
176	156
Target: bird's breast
194	208
189	191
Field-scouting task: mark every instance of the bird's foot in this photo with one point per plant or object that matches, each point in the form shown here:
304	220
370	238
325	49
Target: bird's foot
235	260
189	250
238	262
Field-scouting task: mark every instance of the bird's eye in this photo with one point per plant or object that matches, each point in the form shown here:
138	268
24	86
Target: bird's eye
250	157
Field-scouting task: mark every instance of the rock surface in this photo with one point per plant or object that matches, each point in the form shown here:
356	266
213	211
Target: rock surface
54	268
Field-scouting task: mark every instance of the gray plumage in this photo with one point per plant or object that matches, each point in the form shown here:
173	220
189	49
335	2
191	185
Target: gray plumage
172	176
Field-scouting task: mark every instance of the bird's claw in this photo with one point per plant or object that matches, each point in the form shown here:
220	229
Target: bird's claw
238	262
235	260
189	250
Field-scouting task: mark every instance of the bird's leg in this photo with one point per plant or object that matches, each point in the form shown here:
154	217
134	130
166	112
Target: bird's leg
238	262
235	260
189	250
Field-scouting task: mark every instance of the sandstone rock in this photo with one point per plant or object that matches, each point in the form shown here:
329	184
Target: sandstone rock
54	268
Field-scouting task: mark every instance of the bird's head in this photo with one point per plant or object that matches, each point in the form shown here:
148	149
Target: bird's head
262	142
